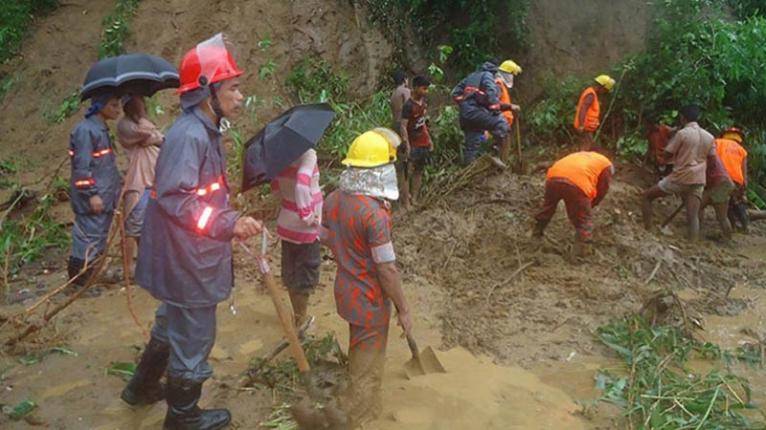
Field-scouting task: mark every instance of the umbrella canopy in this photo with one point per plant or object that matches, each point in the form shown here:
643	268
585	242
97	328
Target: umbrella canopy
139	74
282	141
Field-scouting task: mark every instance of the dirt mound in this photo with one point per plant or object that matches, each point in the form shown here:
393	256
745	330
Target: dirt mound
473	244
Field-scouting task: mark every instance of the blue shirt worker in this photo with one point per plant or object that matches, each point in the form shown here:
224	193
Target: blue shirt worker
95	184
479	101
185	254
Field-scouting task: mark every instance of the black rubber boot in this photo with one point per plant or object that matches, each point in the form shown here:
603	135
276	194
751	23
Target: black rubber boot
183	412
145	387
74	266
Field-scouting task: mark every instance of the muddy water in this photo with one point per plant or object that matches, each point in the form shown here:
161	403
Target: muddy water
76	393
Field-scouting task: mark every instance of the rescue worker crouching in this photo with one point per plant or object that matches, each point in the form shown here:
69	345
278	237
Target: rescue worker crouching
185	253
731	152
582	180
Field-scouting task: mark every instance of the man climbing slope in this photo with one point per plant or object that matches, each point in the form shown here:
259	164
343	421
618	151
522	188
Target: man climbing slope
477	97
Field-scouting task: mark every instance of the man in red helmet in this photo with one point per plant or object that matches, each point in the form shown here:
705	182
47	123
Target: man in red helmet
185	255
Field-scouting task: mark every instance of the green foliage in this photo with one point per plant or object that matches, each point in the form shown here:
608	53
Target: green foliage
660	390
744	9
68	107
116	28
353	119
314	80
15	19
550	120
476	28
267	69
28	238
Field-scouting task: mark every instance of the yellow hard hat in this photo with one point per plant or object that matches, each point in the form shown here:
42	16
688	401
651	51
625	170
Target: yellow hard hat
734	133
510	66
371	149
606	81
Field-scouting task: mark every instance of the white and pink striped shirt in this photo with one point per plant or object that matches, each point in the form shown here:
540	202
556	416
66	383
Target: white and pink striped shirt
300	213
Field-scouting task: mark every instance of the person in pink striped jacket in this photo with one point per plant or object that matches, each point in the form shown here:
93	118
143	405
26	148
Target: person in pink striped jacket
300	213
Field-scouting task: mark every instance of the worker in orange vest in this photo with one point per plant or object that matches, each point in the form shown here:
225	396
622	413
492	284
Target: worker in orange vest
734	158
582	181
588	117
504	79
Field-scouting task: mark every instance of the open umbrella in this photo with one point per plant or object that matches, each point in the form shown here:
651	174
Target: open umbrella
282	141
139	74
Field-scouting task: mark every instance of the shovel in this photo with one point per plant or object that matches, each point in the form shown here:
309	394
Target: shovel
520	167
284	313
421	363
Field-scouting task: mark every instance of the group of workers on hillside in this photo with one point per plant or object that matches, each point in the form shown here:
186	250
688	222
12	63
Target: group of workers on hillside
176	197
179	216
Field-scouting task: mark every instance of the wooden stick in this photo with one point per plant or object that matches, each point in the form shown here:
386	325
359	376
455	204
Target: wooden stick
100	263
126	272
654	273
673	215
510	278
283	312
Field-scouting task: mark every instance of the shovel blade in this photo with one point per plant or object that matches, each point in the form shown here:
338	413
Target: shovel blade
414	368
426	362
430	362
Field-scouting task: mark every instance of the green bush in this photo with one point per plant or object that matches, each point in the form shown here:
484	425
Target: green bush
116	28
475	26
15	19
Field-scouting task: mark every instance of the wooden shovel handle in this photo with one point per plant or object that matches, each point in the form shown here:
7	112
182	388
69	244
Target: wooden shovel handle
288	324
413	346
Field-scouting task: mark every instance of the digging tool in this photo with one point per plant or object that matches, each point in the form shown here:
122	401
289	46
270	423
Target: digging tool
520	167
283	311
422	363
670	217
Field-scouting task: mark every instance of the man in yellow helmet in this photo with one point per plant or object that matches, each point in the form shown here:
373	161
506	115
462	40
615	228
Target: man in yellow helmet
588	117
504	79
356	226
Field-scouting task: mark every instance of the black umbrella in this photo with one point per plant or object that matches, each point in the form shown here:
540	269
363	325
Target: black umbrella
139	74
282	141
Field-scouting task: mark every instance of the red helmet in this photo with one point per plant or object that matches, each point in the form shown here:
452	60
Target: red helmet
214	59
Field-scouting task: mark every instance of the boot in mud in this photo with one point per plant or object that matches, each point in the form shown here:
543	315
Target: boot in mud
74	267
183	412
145	387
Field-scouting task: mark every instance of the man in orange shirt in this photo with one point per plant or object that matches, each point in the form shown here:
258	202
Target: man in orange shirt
582	181
734	158
504	79
588	117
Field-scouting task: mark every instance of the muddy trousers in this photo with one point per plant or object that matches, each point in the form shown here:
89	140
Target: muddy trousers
190	334
89	236
578	207
366	360
474	121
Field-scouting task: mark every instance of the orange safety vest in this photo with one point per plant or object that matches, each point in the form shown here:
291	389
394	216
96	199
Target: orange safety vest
582	169
732	154
593	116
505	97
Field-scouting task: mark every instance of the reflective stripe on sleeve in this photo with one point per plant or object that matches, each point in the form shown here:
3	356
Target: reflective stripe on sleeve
204	218
84	183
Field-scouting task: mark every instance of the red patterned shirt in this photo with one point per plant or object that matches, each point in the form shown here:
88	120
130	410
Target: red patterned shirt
357	229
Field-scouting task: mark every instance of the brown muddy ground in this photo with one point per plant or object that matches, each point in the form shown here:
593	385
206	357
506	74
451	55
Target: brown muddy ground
533	332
